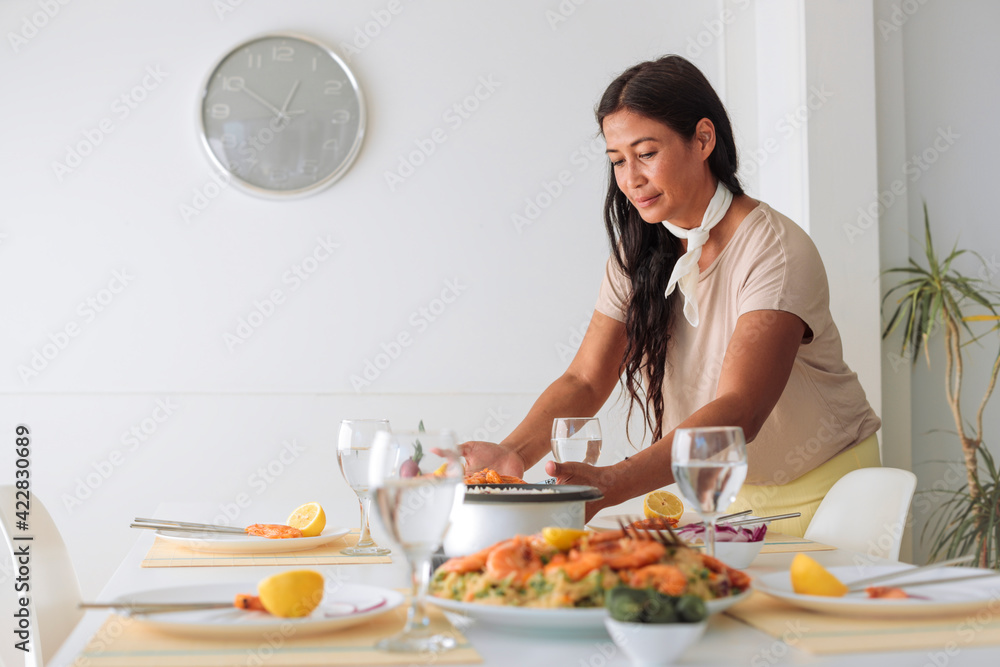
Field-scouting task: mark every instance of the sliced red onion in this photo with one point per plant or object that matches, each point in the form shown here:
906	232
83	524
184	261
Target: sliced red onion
724	533
349	609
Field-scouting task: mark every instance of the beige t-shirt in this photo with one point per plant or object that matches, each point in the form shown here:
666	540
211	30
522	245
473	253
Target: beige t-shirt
770	263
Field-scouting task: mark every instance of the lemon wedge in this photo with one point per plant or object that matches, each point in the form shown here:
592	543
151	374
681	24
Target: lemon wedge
310	519
562	538
291	594
662	505
811	578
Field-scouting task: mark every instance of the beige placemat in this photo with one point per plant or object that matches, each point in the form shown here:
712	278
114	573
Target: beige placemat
776	543
124	642
826	633
169	554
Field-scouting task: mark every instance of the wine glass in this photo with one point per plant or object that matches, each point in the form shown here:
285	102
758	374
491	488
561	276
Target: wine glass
418	479
353	453
576	439
709	464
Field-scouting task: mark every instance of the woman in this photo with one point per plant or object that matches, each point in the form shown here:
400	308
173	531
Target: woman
718	316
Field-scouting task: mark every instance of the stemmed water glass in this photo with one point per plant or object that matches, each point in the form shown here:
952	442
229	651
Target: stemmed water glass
576	439
418	480
354	445
709	464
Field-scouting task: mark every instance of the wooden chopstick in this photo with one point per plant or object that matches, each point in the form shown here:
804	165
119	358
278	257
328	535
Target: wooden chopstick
860	584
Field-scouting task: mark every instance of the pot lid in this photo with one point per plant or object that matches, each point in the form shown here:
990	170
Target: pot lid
530	493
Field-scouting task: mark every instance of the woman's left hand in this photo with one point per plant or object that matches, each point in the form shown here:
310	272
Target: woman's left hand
604	478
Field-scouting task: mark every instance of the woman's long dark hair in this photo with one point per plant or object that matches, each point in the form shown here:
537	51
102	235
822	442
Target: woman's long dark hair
674	92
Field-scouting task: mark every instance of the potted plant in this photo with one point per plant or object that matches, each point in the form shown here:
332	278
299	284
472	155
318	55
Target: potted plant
968	522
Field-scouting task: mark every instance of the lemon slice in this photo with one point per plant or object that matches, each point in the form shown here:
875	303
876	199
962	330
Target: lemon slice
309	518
291	594
562	538
662	505
811	578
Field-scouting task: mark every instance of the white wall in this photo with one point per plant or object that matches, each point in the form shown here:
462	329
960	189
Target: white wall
160	340
937	107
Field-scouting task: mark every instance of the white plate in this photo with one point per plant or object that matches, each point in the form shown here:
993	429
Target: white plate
942	599
575	622
222	543
610	521
345	605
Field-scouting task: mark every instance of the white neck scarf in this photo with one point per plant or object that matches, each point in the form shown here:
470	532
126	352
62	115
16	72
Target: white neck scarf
685	273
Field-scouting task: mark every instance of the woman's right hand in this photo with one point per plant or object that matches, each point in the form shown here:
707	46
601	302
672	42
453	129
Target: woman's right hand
479	454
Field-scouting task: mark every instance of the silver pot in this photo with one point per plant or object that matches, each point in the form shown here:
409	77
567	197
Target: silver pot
494	512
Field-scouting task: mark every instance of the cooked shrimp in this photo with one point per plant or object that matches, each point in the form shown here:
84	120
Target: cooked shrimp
248	601
273	531
628	554
887	592
513	558
577	565
656	523
471	563
737	578
488	476
667	579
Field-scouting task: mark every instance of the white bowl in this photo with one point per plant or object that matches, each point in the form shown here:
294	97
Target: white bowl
483	519
653	644
738	554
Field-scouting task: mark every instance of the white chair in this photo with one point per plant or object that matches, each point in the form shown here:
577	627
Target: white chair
55	591
865	511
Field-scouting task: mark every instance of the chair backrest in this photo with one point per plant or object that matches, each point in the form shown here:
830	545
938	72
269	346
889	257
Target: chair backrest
55	591
865	511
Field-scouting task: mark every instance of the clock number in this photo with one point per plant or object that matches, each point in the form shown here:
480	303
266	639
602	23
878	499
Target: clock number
278	175
232	83
310	167
333	87
283	54
340	116
254	61
330	145
220	111
229	140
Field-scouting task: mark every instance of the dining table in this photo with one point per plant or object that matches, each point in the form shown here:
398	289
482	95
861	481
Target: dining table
727	641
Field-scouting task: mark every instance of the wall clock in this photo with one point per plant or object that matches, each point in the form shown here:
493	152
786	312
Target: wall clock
282	115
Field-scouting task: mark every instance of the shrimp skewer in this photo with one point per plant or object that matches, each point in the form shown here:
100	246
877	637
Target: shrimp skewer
273	531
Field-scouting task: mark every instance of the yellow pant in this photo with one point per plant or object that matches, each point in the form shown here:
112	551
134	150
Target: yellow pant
805	493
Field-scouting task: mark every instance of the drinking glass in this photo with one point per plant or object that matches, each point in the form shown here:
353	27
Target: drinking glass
353	453
576	439
418	480
709	464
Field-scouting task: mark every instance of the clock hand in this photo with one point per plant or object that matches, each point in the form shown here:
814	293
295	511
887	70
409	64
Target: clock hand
288	99
260	99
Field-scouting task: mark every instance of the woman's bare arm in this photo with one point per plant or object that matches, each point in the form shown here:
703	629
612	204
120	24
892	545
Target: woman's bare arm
579	392
755	371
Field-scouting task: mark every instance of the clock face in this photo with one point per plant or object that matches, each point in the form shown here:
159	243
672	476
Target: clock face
283	115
